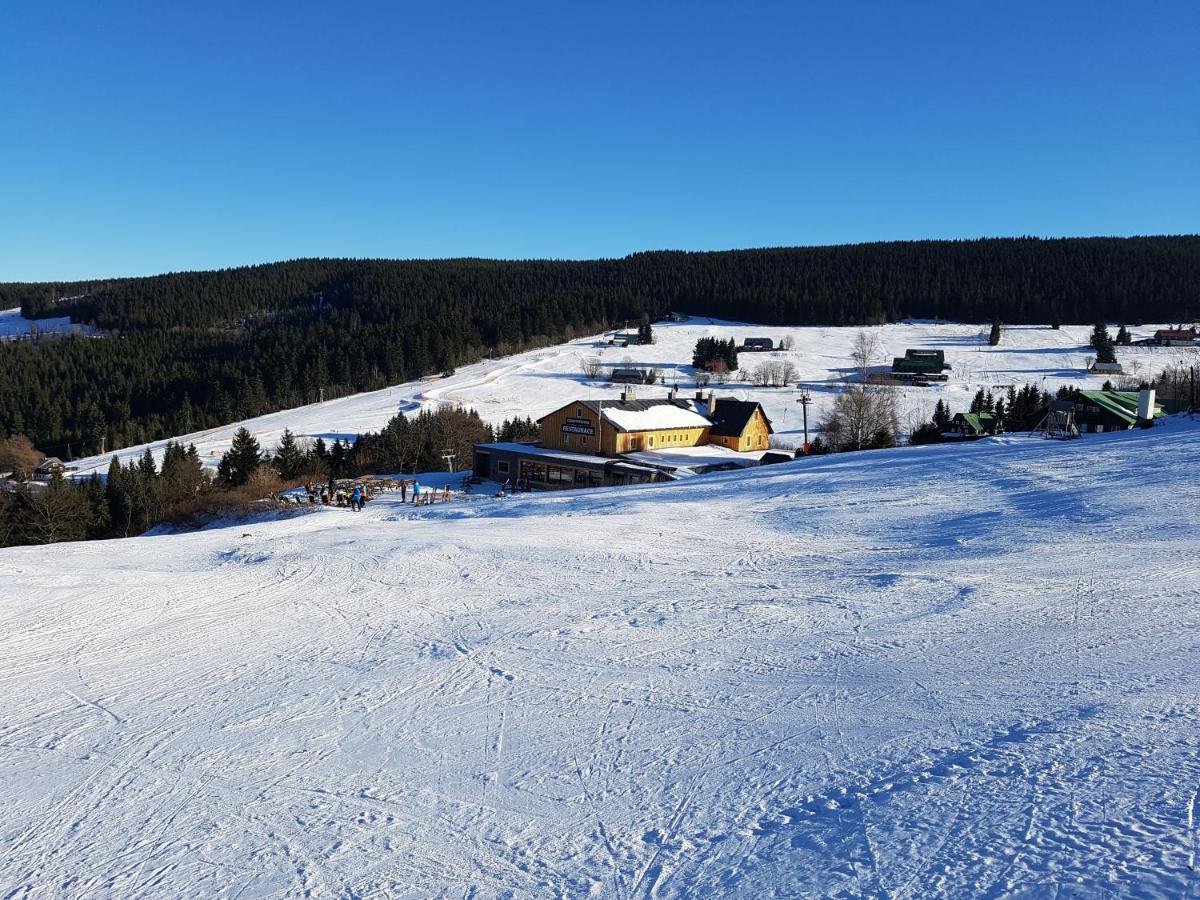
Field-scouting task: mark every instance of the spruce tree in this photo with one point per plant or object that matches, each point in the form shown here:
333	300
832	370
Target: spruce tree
645	332
289	459
100	513
242	460
941	416
994	335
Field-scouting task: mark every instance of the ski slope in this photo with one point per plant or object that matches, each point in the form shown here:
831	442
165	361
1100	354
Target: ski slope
951	671
540	381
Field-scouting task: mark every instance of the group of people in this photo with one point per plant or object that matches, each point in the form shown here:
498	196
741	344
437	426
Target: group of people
331	495
356	496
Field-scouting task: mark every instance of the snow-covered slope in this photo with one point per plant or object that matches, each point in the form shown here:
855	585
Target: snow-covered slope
541	381
14	326
968	671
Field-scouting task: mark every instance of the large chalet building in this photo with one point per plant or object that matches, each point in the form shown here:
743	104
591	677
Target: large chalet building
628	441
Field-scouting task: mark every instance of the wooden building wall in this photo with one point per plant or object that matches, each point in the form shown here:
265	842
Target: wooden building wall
756	435
575	428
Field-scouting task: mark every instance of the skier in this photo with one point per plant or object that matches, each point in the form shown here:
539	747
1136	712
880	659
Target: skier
356	498
416	493
403	491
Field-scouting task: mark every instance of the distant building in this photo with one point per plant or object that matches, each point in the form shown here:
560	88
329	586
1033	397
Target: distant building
632	376
974	425
757	345
920	362
48	468
1175	337
624	339
1105	368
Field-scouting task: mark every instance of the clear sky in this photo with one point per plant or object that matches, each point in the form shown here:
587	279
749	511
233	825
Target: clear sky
158	136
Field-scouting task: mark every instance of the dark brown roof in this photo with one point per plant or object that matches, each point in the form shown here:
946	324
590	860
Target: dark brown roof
732	417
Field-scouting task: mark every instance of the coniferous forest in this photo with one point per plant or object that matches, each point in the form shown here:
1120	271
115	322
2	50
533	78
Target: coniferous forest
180	352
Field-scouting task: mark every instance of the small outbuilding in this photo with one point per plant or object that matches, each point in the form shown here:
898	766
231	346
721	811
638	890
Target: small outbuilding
631	376
1106	368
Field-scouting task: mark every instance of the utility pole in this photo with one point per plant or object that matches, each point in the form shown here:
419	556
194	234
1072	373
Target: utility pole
448	455
805	399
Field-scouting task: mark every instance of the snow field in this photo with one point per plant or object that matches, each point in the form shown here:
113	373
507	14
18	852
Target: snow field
13	326
954	671
541	381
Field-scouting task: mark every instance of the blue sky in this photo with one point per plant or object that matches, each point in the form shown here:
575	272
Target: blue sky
149	137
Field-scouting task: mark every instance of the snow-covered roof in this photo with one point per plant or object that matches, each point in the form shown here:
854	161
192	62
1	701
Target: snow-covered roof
654	416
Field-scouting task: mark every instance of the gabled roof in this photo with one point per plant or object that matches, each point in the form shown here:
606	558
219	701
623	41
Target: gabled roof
1176	334
1122	404
643	415
732	416
980	423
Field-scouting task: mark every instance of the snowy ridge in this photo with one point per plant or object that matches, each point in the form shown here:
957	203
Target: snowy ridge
953	671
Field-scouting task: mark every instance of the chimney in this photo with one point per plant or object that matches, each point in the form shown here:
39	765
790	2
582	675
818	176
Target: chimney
712	404
699	396
672	394
627	394
1146	405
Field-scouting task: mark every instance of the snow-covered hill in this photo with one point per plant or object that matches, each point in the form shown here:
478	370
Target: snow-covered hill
539	382
14	326
967	671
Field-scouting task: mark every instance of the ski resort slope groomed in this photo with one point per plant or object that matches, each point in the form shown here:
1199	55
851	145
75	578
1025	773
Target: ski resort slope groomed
956	671
540	381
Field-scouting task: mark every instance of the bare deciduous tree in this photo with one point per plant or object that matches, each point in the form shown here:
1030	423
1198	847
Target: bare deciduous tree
867	350
787	342
19	456
591	366
774	373
862	417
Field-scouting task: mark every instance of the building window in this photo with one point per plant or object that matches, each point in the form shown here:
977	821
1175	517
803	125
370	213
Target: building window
583	440
502	466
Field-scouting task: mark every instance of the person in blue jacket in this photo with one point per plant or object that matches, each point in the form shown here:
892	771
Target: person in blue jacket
416	491
356	498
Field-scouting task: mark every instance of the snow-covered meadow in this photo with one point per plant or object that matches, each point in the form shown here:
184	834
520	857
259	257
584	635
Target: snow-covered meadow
14	326
965	671
538	382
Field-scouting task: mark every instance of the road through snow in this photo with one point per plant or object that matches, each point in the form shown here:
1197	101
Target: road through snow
967	671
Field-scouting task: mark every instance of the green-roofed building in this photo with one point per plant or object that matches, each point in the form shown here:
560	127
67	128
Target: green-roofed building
919	362
1112	410
974	425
